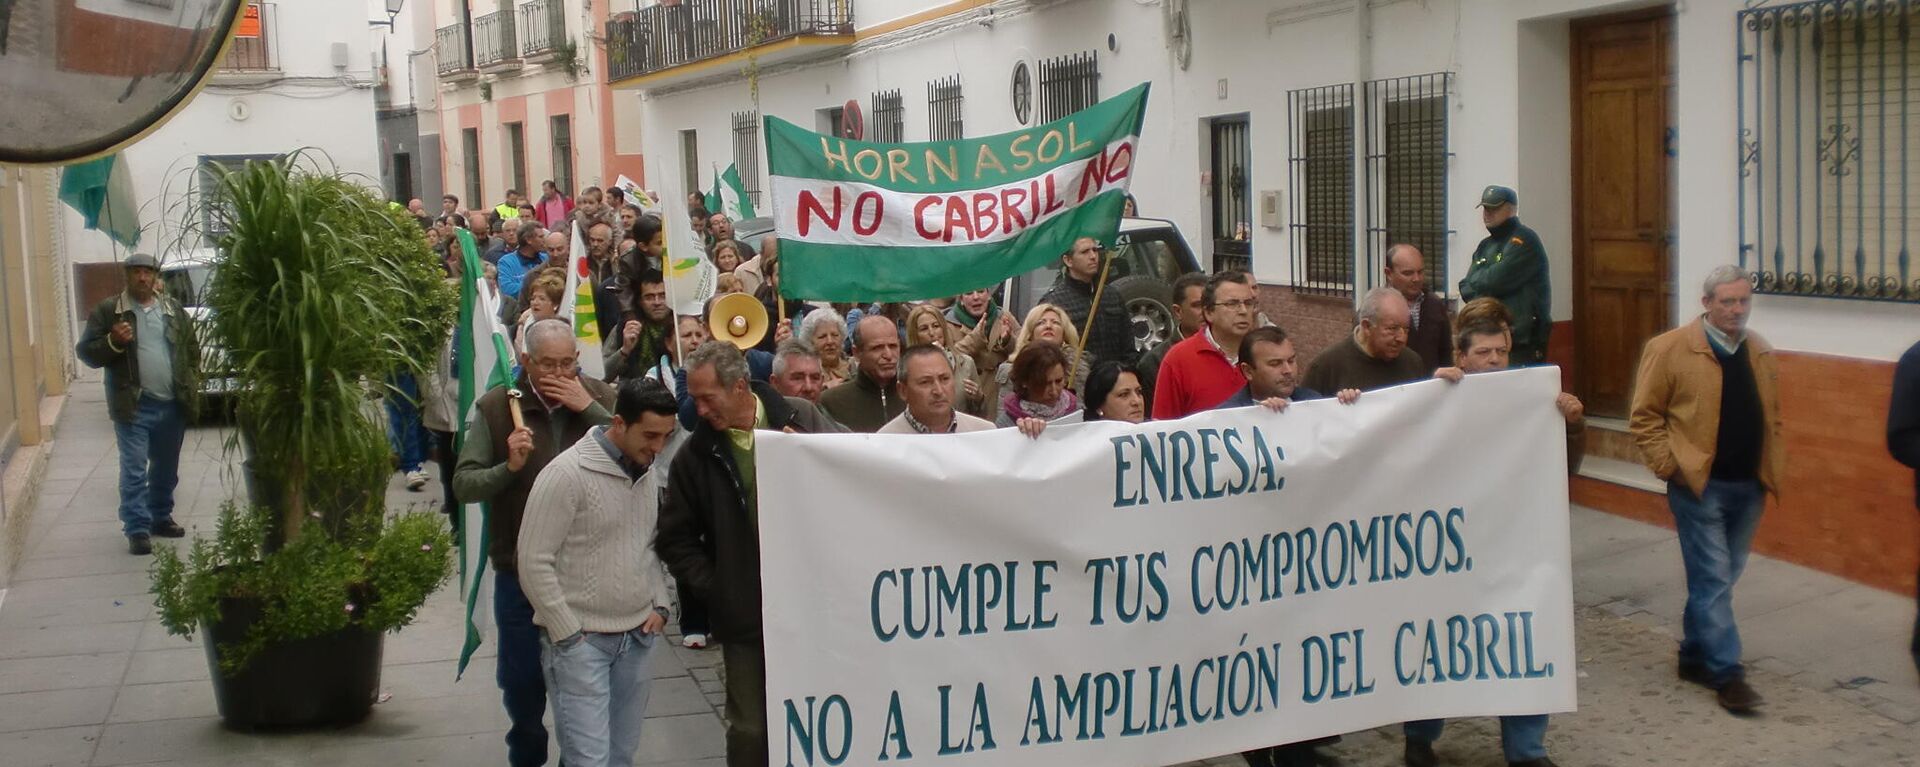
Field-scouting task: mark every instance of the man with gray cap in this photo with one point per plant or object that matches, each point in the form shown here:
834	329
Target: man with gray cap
146	342
1510	265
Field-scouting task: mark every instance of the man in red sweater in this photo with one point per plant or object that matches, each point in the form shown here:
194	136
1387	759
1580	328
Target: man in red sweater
1199	372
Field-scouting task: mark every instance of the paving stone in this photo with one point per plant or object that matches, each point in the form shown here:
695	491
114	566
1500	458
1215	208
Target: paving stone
682	738
50	747
676	696
182	664
67	640
63	672
48	709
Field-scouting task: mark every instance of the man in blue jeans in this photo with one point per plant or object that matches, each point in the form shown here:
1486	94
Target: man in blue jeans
1484	344
405	431
500	456
146	342
1706	418
598	589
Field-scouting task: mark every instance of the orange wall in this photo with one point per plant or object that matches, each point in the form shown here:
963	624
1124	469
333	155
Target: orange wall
1845	506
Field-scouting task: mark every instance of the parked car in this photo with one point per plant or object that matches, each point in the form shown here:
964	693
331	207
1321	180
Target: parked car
1148	255
185	278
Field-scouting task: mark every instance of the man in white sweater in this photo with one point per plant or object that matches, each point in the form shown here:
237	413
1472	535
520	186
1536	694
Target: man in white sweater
599	592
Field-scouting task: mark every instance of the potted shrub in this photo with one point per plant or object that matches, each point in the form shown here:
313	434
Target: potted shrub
321	294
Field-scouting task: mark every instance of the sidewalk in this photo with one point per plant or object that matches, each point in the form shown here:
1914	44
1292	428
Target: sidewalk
88	676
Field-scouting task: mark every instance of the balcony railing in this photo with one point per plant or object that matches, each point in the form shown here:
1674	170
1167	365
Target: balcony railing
493	40
543	27
664	36
452	49
252	47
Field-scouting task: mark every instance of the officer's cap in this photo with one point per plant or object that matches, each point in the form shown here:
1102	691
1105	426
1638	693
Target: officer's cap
1496	196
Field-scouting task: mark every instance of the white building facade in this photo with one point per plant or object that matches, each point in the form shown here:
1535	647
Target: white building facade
301	77
1647	142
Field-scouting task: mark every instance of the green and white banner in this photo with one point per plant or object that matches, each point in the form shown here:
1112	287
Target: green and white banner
483	361
863	221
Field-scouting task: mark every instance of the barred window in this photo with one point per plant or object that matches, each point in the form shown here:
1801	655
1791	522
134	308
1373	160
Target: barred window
470	157
1320	131
1069	84
212	217
517	157
1826	92
889	117
746	152
1406	192
943	110
562	134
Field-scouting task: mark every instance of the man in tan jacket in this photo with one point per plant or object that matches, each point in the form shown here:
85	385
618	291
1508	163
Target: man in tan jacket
1706	418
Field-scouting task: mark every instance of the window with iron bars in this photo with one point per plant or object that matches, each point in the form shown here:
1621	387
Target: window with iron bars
562	133
1406	163
746	152
1068	84
1320	161
889	117
944	122
213	218
1826	96
470	160
517	156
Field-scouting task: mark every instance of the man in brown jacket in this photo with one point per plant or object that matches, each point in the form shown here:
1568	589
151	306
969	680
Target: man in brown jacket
498	463
1706	418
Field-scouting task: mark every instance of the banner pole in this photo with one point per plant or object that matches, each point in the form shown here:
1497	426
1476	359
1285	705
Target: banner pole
1080	349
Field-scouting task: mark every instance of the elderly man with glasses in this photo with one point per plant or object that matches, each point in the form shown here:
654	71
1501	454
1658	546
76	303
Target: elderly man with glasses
499	460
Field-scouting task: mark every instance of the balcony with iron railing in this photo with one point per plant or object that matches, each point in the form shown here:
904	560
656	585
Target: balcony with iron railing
672	35
453	49
252	47
543	29
494	47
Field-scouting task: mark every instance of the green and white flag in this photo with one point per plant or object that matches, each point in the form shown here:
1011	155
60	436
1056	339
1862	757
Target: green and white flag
482	360
729	196
862	221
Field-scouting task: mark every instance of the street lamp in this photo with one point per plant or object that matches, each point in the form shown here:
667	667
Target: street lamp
393	12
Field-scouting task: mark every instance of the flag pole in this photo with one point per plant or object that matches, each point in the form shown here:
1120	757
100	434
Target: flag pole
1080	349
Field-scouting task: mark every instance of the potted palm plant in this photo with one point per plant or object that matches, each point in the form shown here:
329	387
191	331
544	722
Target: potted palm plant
321	293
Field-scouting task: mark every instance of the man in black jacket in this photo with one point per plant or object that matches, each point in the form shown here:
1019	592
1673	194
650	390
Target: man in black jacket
709	524
146	342
1903	436
1110	337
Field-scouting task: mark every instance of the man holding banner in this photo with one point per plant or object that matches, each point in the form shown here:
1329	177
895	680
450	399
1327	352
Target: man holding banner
709	532
1483	344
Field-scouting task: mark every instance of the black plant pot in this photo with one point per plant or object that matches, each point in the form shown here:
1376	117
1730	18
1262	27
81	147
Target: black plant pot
327	680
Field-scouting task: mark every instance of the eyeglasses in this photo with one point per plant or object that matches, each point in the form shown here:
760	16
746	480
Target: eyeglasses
1236	304
556	366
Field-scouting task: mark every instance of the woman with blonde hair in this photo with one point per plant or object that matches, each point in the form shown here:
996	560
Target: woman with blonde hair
826	332
1046	322
927	324
725	255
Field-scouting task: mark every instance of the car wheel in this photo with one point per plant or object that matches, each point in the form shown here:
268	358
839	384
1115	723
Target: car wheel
1148	303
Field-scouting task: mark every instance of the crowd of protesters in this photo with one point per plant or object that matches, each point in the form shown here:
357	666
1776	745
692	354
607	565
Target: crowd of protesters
625	502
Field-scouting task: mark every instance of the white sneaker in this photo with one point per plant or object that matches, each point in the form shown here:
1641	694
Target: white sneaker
694	641
416	480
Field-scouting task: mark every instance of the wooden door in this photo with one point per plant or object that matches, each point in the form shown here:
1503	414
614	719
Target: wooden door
1622	142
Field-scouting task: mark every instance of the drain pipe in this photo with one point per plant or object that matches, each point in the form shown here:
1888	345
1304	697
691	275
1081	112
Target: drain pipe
1363	129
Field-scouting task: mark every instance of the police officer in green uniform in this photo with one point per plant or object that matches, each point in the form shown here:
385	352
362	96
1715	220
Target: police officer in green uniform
1510	265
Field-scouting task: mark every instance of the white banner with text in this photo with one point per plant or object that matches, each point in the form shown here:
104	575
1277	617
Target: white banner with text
1152	594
